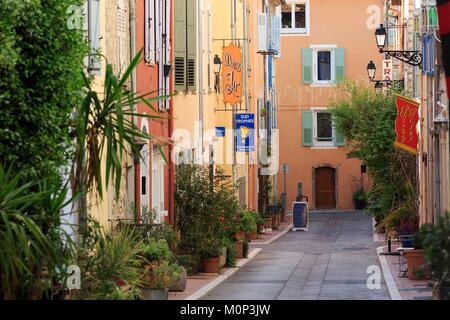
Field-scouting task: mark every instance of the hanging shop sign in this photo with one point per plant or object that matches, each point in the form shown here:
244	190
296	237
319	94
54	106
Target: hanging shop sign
245	132
388	70
406	124
232	74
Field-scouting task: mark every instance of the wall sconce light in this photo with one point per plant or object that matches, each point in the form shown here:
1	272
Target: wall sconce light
413	58
396	85
217	68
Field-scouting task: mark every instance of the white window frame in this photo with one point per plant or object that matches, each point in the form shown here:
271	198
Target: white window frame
316	142
293	30
316	49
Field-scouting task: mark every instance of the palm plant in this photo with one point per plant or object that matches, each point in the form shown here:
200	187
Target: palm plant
31	247
105	129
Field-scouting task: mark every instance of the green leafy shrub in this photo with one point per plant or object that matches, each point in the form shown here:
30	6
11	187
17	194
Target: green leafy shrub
246	248
367	120
249	221
435	240
231	254
155	251
205	209
160	275
41	63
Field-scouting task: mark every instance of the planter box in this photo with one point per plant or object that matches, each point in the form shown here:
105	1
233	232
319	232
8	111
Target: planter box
253	235
180	285
417	269
239	248
150	294
211	265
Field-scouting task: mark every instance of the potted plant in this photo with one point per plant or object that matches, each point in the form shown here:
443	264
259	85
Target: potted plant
435	241
157	279
210	255
180	282
360	199
249	225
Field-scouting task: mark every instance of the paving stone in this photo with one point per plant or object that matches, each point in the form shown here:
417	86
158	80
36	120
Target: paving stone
328	262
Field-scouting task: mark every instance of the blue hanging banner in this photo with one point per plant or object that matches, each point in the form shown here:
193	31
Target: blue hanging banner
245	132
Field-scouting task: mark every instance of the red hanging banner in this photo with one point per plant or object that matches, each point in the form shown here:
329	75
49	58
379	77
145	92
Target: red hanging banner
406	124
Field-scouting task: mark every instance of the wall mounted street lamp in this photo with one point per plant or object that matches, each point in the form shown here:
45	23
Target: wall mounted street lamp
217	68
413	58
396	85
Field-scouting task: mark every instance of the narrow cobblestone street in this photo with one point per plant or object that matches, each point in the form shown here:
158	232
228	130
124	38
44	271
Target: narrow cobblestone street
329	261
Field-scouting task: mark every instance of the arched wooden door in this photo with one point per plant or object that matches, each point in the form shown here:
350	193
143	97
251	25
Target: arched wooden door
325	181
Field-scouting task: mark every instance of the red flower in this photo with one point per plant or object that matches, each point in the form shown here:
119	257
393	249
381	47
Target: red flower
120	283
222	219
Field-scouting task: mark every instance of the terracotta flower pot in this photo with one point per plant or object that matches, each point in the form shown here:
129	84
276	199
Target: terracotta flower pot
417	269
268	223
248	237
239	248
211	265
242	234
253	235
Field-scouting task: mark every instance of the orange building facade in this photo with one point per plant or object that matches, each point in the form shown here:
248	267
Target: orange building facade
318	49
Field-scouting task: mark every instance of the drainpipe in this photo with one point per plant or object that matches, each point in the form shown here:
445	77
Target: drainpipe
200	75
137	162
171	106
233	36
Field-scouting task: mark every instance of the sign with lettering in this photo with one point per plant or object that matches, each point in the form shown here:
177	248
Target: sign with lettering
388	70
245	132
406	124
220	132
232	74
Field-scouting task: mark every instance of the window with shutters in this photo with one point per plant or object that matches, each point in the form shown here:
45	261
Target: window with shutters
295	17
150	31
323	64
324	130
93	17
185	45
319	130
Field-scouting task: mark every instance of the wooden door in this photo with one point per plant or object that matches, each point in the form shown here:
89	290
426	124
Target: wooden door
325	188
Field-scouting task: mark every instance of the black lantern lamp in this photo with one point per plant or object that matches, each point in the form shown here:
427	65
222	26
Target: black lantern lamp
217	68
381	37
396	85
371	70
413	58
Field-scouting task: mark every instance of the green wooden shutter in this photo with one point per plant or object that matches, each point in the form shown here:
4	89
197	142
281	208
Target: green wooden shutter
307	63
307	128
339	60
191	43
180	45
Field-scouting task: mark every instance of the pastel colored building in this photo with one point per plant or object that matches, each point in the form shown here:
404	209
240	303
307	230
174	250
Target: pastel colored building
202	29
319	48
